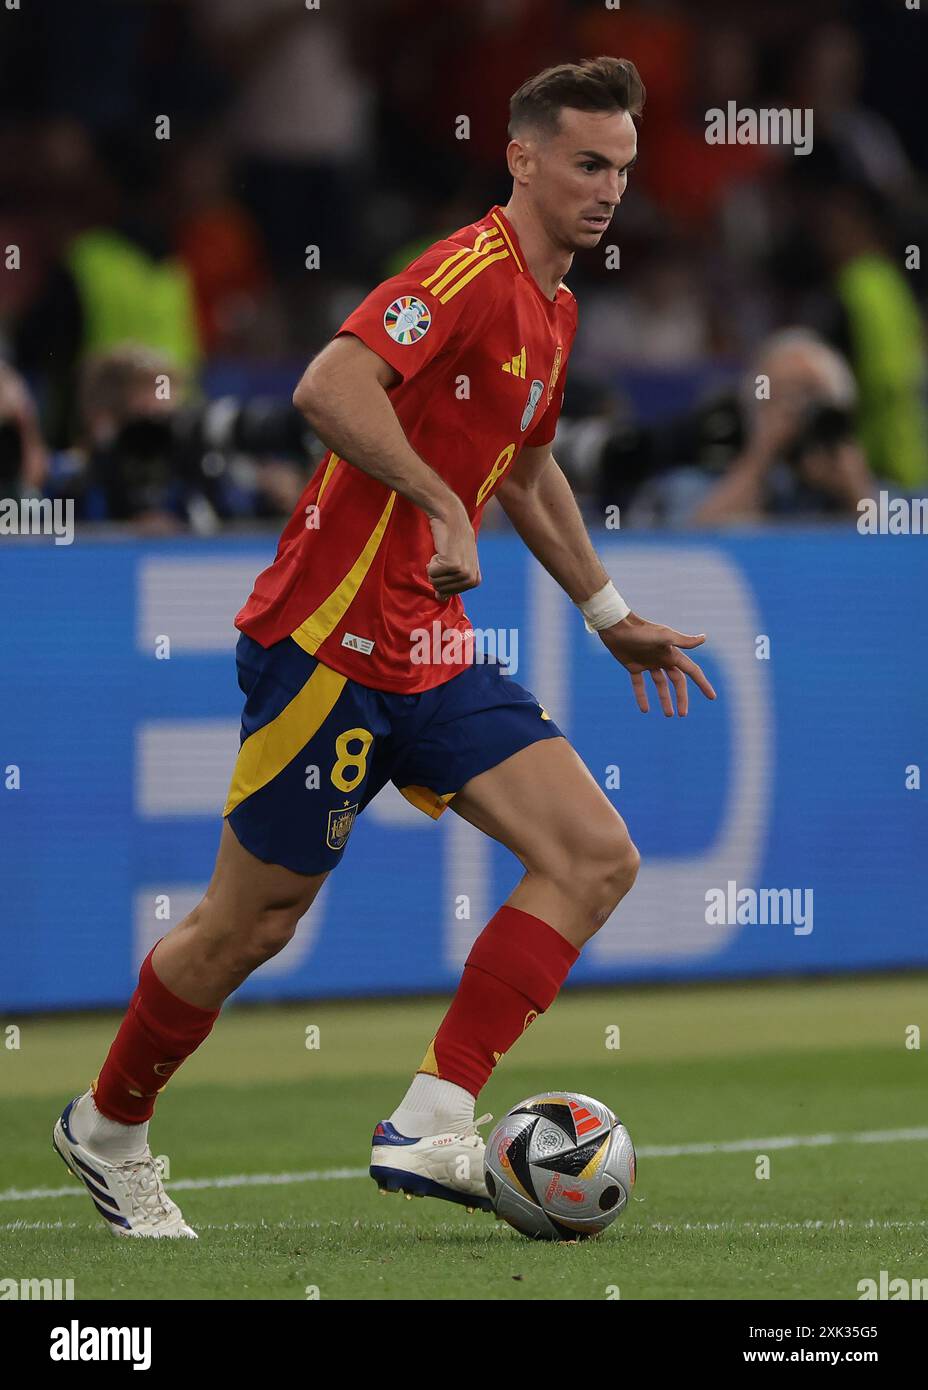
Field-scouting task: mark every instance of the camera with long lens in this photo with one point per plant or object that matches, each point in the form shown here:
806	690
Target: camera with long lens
157	462
823	427
709	438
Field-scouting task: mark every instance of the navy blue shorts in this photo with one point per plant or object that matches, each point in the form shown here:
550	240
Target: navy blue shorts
316	747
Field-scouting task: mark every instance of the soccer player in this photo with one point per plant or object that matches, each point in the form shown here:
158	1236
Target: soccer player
440	391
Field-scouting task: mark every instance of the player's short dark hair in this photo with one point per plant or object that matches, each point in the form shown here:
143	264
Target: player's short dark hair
593	84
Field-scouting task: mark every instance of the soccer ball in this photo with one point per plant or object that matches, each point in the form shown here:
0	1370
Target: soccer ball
559	1166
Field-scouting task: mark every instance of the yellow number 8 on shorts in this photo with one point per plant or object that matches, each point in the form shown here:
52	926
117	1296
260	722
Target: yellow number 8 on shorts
347	759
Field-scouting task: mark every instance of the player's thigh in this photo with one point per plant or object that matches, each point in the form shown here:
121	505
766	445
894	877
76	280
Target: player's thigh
544	805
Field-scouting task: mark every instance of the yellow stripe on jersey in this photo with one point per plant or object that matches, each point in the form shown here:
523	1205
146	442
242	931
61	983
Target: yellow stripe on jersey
267	751
462	276
329	470
438	283
455	256
445	265
311	634
463	280
508	240
461	267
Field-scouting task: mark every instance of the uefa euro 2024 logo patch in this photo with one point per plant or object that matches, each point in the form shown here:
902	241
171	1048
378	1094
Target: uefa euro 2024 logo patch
407	320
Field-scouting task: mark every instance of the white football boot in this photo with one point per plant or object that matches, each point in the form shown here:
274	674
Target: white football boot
129	1195
440	1165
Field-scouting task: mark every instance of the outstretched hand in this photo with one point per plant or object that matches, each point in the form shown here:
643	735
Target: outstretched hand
644	646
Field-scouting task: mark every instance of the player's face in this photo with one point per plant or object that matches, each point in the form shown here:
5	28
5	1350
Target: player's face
581	174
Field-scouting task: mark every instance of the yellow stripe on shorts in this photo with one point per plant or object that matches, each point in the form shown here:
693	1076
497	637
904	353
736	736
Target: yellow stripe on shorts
269	749
424	799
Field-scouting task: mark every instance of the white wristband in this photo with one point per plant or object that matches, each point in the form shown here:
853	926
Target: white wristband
604	609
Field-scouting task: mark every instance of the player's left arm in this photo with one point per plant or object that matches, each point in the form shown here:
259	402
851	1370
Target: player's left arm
539	502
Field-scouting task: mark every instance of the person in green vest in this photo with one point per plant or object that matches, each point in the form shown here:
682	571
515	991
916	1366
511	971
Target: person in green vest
116	281
129	293
883	335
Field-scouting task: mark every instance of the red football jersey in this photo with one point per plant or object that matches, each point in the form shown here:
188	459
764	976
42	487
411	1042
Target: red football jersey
482	353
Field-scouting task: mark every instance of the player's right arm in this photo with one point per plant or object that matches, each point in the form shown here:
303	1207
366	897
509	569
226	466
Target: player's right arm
343	395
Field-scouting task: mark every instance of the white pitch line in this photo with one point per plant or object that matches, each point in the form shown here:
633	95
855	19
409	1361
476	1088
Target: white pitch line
833	1224
786	1141
41	1226
13	1194
782	1141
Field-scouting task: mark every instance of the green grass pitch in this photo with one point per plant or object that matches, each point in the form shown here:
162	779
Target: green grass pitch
741	1070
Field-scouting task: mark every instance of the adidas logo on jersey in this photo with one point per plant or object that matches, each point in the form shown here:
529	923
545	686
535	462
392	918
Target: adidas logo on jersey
516	365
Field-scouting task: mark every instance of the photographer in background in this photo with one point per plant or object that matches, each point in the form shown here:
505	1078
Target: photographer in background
123	467
146	457
800	455
791	453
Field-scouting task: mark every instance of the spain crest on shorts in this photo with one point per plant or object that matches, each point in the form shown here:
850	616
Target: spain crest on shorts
340	822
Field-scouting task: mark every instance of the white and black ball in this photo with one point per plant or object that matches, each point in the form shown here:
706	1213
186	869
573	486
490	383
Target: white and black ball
559	1166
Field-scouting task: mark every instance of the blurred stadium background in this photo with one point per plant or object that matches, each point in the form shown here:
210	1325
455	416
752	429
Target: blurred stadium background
290	128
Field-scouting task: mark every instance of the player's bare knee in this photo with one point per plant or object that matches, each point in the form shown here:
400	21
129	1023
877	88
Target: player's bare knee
604	872
236	942
626	866
273	929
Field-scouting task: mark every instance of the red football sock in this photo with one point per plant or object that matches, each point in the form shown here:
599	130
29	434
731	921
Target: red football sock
513	973
158	1032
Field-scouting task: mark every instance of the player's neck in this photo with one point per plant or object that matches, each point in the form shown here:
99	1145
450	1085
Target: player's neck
546	262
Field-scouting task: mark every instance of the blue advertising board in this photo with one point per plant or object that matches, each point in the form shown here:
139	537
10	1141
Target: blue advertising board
782	828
